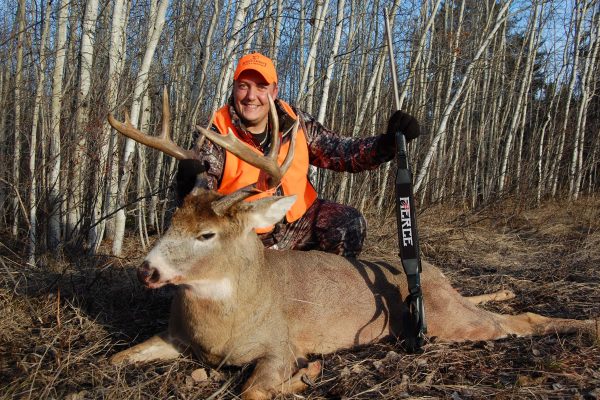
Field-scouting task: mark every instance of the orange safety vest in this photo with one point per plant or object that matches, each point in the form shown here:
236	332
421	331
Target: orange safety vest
238	173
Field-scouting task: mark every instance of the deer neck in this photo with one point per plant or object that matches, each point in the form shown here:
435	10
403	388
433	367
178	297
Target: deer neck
240	275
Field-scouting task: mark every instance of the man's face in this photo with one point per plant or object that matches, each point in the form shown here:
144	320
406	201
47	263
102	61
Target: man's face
250	100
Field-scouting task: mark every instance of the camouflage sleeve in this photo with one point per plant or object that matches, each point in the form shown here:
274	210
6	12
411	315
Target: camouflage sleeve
327	149
215	157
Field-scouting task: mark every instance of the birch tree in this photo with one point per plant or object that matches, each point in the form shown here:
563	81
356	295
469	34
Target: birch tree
117	53
39	91
518	113
141	85
331	61
54	156
17	124
305	90
441	129
576	28
82	110
234	38
588	80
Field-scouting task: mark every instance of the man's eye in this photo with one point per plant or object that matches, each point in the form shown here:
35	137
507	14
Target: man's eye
205	236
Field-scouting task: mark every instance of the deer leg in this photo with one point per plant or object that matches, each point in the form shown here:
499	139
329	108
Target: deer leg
533	324
274	376
159	347
500	295
455	318
297	383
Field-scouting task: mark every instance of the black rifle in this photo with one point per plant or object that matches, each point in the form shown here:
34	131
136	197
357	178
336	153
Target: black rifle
408	239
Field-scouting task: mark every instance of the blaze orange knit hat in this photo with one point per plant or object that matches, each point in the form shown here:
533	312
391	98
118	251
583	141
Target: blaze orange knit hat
259	63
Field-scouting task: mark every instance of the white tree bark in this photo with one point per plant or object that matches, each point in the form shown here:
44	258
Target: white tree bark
321	7
441	130
116	59
576	25
54	154
228	61
207	51
81	115
276	31
39	91
18	127
587	86
418	50
331	62
518	113
365	99
141	85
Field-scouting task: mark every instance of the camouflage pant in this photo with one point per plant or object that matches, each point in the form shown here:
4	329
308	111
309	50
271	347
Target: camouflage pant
326	226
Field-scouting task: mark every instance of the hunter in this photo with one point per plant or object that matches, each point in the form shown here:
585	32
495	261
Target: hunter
312	223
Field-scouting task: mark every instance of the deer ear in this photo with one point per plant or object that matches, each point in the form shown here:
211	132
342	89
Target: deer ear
268	211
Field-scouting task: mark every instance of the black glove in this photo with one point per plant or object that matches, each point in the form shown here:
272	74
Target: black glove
399	121
187	171
405	123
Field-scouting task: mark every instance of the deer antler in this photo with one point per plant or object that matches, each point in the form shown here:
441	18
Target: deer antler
163	142
267	163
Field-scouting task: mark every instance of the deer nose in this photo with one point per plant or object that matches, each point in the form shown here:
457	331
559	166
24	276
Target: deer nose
147	274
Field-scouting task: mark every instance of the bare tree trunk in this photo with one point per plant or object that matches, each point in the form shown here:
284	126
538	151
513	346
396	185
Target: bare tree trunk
419	49
576	25
234	38
18	128
4	80
41	74
207	52
82	110
115	66
441	130
587	83
320	14
521	105
276	31
54	149
141	86
331	62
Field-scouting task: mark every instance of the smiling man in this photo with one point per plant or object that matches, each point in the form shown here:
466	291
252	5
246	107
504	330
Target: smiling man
312	223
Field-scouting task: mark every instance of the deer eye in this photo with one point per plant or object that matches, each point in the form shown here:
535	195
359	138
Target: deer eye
205	236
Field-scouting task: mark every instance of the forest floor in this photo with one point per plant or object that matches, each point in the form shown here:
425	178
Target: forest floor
61	320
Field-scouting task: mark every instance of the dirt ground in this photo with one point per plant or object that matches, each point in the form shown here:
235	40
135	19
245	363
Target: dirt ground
61	320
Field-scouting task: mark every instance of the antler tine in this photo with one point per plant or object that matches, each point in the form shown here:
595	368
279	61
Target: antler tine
231	143
267	163
163	142
224	203
291	150
275	140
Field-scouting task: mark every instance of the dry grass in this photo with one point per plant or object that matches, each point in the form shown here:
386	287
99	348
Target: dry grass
61	320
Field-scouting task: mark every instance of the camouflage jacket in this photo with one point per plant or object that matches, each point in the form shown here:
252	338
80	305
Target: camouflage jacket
327	149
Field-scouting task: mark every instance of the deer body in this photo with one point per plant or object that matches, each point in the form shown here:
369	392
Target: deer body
238	303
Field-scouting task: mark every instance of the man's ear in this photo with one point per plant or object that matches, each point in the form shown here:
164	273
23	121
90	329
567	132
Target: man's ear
265	212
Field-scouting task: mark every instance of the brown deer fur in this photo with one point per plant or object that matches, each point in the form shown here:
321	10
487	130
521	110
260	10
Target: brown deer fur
239	303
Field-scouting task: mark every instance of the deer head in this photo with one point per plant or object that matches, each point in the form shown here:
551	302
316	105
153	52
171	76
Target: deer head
210	230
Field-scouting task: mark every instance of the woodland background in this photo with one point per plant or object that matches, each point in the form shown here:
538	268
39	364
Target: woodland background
506	91
506	175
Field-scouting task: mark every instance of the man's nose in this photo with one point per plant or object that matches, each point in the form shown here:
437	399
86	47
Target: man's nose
251	93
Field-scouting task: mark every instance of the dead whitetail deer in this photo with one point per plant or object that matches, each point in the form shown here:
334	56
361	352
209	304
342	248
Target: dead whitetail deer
240	303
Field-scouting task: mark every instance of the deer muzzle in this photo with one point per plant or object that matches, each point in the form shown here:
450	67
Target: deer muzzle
148	275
